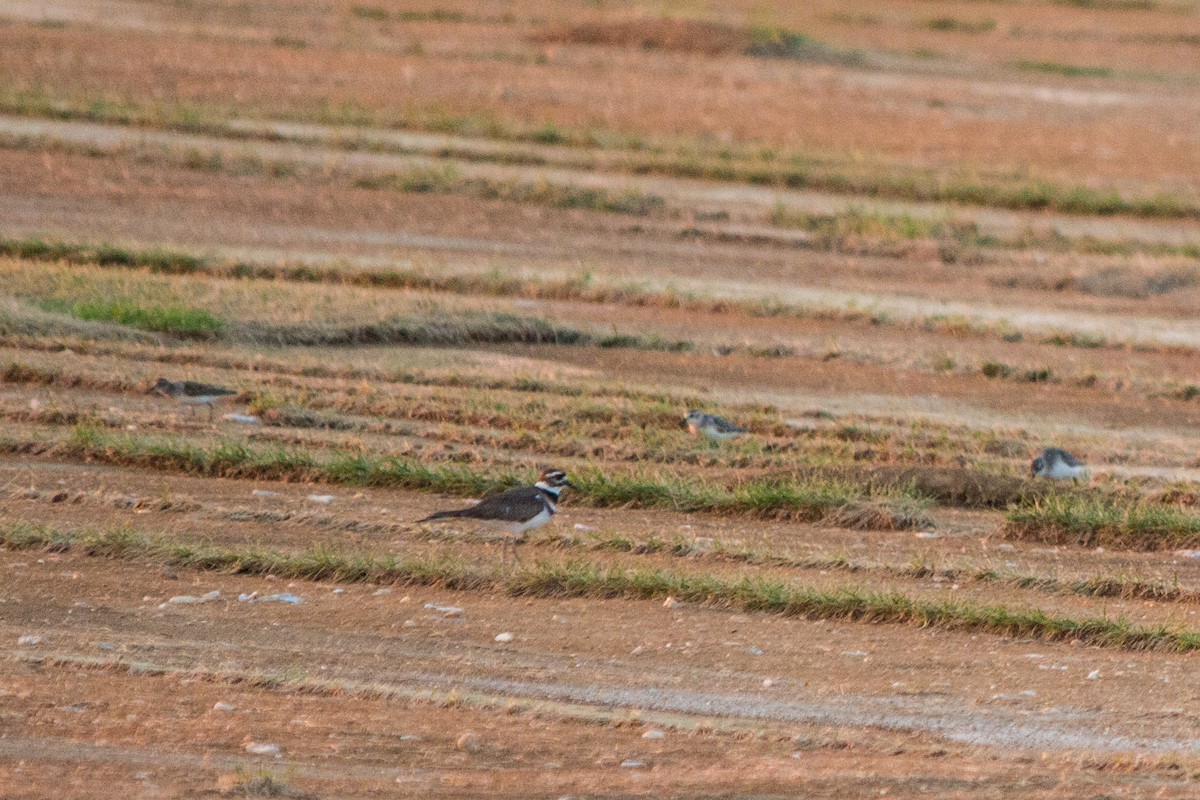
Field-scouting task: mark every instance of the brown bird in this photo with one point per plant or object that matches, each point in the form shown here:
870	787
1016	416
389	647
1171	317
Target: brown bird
191	393
515	511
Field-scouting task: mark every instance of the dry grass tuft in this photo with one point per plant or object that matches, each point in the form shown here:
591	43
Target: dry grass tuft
676	35
876	515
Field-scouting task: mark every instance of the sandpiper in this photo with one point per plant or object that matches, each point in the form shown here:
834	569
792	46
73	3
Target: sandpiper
515	511
191	393
1057	464
712	426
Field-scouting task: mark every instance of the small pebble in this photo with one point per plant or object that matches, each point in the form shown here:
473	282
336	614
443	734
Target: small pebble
264	493
221	705
339	590
1093	675
504	637
631	763
185	599
754	651
107	646
30	639
653	734
671	602
323	499
768	683
263	748
469	742
287	597
449	611
380	592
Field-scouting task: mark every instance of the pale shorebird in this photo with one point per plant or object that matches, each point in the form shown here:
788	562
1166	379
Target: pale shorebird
515	511
1058	465
712	426
191	393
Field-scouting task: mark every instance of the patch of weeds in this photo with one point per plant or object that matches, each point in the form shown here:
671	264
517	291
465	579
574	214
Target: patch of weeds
1112	5
191	323
955	25
1036	375
773	42
289	42
1085	341
1108	522
1047	67
435	15
996	369
370	12
260	783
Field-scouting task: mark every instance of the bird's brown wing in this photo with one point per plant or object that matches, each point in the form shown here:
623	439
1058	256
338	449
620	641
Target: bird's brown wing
515	505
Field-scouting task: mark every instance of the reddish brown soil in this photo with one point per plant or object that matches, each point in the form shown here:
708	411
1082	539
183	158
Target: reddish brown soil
109	689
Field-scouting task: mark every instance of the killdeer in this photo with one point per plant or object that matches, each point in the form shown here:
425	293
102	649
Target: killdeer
515	511
191	393
712	426
1057	464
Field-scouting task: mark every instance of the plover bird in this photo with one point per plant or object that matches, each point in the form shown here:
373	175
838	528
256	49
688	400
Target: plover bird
1057	464
712	426
515	511
191	393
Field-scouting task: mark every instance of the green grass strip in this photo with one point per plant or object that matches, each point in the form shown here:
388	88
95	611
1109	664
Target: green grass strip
1097	521
585	579
792	499
581	289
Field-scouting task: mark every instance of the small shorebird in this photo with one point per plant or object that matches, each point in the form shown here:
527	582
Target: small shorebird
191	393
515	511
1057	464
712	426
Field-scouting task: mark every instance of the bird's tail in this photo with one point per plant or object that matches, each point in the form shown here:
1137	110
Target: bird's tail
441	515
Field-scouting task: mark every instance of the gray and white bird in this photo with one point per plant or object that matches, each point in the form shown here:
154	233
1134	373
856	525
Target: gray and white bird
712	426
515	511
191	393
1058	465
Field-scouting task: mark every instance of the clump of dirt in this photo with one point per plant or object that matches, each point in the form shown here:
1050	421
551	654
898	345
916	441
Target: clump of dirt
678	35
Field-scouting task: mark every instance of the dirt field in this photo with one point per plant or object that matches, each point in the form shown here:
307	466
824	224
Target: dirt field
436	247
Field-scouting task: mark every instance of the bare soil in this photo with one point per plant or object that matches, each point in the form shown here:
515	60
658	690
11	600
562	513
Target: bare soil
361	690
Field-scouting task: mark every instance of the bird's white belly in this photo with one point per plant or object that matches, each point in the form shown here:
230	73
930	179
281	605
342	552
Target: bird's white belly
1061	471
541	519
201	400
721	435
